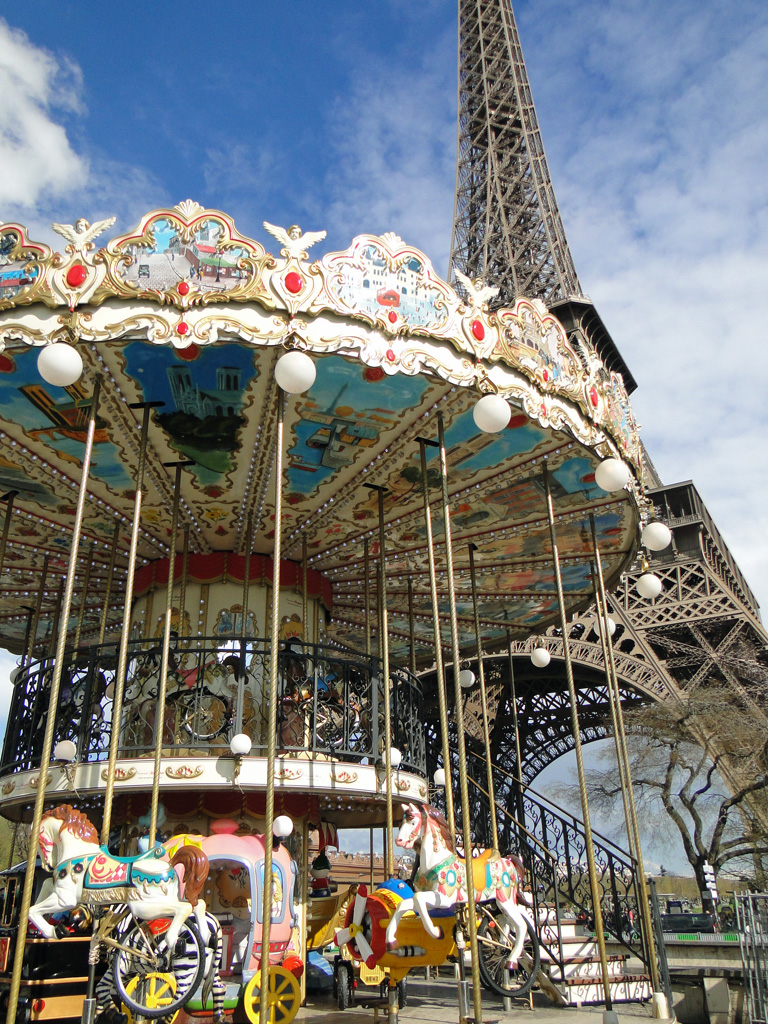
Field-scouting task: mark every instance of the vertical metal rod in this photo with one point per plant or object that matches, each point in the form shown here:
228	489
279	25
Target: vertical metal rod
27	634
110	577
303	908
266	907
122	660
53	702
439	665
247	574
604	635
516	727
412	652
240	680
371	864
84	595
304	589
459	713
38	610
384	655
367	584
597	910
162	685
56	622
184	578
483	701
8	498
645	911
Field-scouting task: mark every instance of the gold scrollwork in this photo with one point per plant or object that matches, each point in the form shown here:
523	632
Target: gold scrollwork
345	777
184	772
8	787
121	774
35	782
289	773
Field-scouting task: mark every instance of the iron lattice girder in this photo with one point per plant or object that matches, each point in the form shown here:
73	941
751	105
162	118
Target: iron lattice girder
507	225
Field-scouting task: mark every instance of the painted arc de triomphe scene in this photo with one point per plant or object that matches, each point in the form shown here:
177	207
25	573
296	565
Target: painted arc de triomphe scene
332	551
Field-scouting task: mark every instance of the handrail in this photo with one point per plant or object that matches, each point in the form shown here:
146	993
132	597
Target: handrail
507	814
560	810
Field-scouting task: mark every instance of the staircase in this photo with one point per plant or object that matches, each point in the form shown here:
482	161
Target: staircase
551	843
572	962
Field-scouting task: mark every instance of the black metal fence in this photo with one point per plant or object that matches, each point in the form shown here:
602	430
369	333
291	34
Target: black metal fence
328	703
752	921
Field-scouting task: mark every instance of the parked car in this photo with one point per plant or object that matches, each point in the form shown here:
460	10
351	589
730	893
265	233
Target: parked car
676	923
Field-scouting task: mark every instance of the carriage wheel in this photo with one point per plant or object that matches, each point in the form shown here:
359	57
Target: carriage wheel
160	989
283	996
495	940
205	719
141	978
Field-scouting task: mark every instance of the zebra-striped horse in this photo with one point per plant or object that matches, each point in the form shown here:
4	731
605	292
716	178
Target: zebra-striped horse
108	1005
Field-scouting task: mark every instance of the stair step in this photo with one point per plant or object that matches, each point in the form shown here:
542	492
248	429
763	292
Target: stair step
630	988
591	968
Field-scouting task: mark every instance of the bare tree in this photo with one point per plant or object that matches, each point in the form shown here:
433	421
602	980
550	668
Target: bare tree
703	761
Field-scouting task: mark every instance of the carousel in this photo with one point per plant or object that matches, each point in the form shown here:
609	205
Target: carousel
249	501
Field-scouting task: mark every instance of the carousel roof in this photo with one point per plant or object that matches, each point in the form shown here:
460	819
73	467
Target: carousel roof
186	312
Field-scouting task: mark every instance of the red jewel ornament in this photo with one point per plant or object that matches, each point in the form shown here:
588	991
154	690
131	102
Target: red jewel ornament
593	397
190	353
391	355
545	375
392	316
182	328
76	275
183	288
293	282
478	331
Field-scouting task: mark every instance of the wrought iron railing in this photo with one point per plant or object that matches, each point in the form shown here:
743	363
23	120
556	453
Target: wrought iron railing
551	842
329	703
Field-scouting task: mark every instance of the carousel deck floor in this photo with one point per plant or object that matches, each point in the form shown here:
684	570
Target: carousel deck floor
436	1001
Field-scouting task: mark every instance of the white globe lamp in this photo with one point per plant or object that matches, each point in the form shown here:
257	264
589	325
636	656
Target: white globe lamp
491	414
295	372
282	826
439	778
240	744
395	757
540	657
611	475
656	536
467	678
60	364
65	750
649	585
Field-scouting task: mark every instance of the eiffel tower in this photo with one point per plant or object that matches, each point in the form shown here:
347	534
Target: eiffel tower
705	625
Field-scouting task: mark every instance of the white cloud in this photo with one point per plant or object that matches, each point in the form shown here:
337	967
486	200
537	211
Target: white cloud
658	143
36	157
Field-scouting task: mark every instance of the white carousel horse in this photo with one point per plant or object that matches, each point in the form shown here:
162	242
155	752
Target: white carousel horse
86	873
441	877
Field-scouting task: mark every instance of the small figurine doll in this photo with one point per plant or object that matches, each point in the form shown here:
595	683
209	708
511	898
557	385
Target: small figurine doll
320	871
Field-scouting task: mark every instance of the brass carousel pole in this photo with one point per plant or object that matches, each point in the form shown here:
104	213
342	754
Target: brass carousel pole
85	586
459	713
50	725
184	577
8	498
166	652
38	609
515	726
244	628
412	638
660	1007
367	585
56	622
483	701
439	665
266	911
389	852
304	589
110	578
122	660
597	911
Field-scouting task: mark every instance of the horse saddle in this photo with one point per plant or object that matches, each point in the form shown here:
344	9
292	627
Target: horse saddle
106	870
481	875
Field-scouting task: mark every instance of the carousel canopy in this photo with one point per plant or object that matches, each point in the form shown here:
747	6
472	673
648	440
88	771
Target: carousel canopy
186	313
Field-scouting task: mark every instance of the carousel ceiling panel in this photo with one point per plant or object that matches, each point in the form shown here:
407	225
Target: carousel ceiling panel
188	315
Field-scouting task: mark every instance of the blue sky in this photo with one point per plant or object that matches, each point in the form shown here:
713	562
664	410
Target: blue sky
342	116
